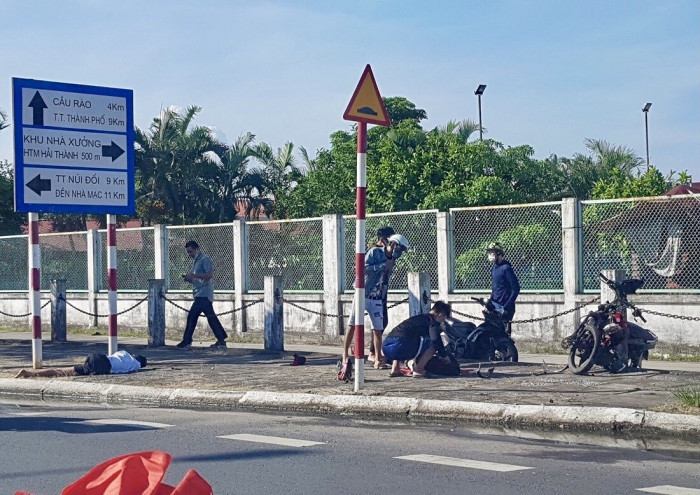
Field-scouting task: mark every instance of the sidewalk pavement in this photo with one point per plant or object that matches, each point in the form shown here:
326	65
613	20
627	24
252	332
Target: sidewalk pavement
535	393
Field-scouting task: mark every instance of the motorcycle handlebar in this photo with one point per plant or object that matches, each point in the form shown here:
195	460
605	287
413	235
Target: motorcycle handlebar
480	300
607	281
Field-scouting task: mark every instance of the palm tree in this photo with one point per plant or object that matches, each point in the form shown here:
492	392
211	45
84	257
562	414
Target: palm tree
3	120
238	182
175	163
609	157
464	129
581	172
280	171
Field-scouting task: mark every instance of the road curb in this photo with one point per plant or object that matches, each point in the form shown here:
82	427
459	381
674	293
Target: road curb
401	408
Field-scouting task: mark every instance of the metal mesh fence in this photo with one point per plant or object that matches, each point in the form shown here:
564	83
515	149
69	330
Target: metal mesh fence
657	239
216	241
13	263
135	258
531	236
419	227
290	248
64	256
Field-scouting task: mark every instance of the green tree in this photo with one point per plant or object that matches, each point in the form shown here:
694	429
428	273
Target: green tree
281	175
328	186
620	185
238	182
400	109
582	172
176	168
464	128
10	221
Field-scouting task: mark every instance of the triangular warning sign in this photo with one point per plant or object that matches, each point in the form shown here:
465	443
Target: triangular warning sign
366	104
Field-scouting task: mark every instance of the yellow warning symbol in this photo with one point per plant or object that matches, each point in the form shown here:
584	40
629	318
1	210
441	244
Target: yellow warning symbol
366	104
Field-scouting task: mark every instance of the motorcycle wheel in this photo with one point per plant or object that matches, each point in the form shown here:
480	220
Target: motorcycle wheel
505	351
583	350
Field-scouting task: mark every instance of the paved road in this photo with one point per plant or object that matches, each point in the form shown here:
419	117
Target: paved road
45	447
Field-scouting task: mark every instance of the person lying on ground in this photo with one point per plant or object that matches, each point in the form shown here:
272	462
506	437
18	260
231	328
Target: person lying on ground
95	364
418	339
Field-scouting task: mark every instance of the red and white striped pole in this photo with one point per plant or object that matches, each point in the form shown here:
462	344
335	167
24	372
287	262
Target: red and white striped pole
360	255
35	287
112	282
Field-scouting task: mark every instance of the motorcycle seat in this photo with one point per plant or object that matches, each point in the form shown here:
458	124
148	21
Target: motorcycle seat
460	329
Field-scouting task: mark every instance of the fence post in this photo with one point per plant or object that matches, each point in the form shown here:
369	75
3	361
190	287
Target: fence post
418	293
240	273
156	312
445	254
58	310
333	272
94	272
160	253
274	314
572	270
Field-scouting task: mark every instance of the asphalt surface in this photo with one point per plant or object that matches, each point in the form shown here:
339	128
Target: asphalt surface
536	391
254	453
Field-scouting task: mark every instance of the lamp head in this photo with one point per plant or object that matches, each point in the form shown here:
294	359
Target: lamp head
480	90
646	107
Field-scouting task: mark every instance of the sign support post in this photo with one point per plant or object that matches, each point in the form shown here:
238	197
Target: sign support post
74	153
112	282
34	257
366	107
361	200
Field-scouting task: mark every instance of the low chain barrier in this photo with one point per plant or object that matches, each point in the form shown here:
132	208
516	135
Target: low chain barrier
669	315
88	313
234	310
532	320
331	315
24	315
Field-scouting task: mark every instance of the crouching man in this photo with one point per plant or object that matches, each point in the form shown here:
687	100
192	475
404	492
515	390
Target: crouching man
417	339
95	364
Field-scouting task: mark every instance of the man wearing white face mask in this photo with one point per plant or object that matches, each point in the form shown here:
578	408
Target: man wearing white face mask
505	286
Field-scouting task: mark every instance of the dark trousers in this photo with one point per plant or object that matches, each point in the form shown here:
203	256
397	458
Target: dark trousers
508	315
199	306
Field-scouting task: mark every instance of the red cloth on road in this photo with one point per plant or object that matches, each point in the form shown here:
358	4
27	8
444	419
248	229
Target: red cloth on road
140	473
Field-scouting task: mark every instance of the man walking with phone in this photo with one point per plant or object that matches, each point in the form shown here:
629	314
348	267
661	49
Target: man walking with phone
201	276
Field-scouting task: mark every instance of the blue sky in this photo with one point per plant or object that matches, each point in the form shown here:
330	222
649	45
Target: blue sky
556	72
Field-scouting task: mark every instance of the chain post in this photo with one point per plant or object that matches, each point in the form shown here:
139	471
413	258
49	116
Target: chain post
274	314
156	312
58	310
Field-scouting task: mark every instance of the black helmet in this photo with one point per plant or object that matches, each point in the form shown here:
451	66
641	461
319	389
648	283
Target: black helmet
494	247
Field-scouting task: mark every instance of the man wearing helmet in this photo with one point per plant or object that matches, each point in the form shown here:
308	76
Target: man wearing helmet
378	259
396	245
505	286
383	234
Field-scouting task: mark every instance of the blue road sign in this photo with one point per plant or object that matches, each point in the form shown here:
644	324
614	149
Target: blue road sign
74	148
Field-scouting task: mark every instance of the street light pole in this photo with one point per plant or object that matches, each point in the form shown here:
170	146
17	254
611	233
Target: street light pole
646	128
480	91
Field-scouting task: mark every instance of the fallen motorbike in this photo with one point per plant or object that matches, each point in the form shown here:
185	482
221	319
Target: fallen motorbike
487	342
605	338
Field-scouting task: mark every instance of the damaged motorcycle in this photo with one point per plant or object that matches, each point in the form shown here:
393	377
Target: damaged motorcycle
605	338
